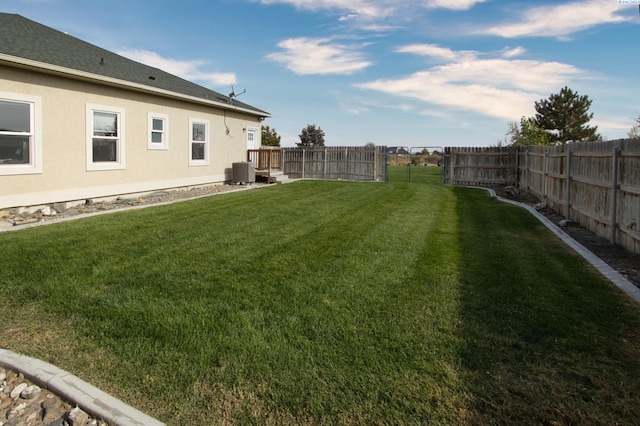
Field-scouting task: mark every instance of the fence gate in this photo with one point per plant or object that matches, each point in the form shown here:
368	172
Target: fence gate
356	163
416	149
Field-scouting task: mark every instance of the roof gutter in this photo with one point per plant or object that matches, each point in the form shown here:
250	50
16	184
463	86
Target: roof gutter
18	62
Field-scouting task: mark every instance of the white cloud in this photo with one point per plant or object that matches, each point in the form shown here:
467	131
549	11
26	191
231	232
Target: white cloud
560	20
494	87
437	52
453	4
353	109
513	52
375	9
357	105
318	56
367	9
189	70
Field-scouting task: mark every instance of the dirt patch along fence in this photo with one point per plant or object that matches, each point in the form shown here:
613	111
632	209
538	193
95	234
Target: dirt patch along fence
594	184
358	163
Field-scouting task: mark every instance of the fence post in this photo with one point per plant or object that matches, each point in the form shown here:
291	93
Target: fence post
568	212
346	163
614	195
545	170
452	160
375	164
303	157
526	169
324	165
518	166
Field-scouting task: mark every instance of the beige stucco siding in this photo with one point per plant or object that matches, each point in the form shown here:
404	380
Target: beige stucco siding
64	174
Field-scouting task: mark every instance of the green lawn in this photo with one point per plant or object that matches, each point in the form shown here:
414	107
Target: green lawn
327	302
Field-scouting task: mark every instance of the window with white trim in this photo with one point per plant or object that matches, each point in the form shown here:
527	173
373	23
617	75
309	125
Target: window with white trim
158	131
105	138
20	135
198	142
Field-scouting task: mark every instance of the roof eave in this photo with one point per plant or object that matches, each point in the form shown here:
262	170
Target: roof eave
24	63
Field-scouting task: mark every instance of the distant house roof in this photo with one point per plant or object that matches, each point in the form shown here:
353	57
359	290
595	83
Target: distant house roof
26	43
397	150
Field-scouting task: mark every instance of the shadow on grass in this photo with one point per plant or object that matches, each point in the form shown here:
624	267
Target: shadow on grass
545	339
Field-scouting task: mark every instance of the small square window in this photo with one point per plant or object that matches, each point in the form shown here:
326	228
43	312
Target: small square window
158	131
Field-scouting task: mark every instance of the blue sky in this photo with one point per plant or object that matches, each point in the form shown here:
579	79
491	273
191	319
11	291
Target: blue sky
391	72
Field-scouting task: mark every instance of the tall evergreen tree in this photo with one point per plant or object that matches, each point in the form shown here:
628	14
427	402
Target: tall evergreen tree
565	116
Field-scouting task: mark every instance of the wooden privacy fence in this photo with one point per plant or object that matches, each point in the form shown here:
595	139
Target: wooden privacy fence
594	184
359	163
480	166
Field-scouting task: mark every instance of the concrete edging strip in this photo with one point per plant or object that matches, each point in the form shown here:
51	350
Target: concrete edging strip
76	391
611	274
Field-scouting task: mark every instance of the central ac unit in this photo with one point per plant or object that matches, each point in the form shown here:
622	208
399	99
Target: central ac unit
244	173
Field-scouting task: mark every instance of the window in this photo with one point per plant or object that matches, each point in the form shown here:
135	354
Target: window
198	142
158	131
20	138
105	138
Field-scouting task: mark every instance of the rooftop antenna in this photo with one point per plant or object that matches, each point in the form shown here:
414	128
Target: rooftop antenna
233	93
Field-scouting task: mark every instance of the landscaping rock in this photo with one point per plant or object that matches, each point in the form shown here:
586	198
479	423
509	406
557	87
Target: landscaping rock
15	393
41	409
16	410
51	409
5	403
48	211
511	190
35	414
17	217
30	392
540	206
77	417
7	388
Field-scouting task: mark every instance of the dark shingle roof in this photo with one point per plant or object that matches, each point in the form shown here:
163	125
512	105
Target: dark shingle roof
27	39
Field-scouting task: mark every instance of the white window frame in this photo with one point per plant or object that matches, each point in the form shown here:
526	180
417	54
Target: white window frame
119	164
164	145
35	136
205	161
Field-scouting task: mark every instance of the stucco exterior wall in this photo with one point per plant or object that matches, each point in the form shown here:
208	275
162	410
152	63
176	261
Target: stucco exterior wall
64	175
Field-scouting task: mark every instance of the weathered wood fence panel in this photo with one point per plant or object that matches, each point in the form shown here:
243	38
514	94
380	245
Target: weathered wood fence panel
594	184
358	163
480	166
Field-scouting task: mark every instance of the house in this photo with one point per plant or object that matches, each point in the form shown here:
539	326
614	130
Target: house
80	122
398	150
